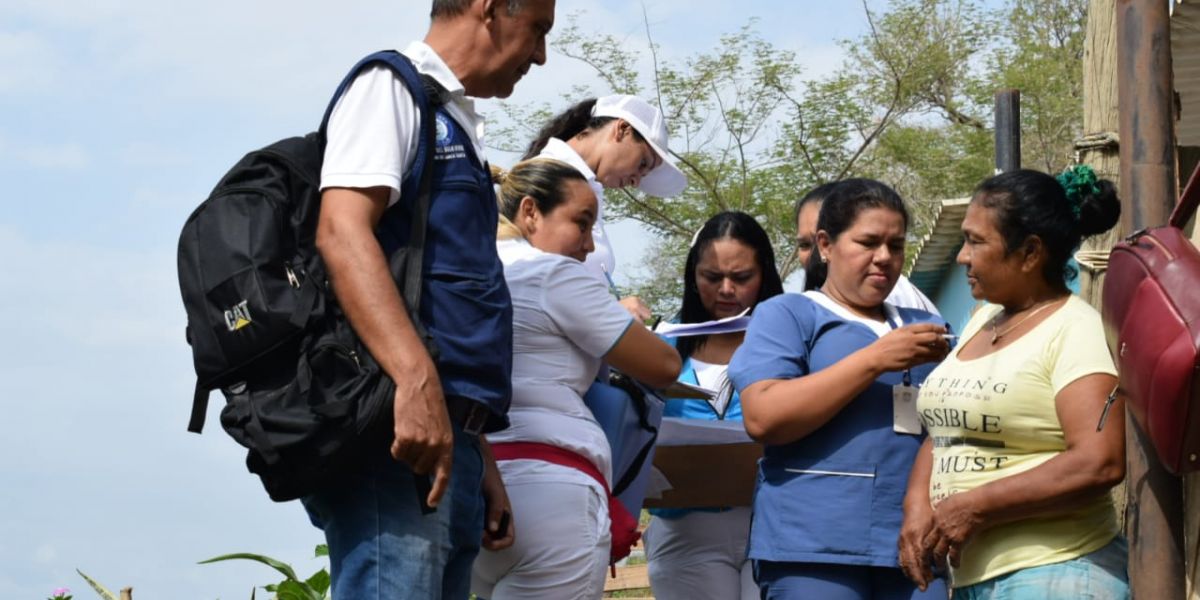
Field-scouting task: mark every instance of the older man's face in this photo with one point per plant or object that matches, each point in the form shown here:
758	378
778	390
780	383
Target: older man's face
520	43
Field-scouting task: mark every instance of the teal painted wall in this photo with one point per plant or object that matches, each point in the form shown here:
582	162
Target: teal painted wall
953	298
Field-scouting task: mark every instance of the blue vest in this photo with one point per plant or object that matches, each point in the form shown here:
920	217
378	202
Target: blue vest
465	303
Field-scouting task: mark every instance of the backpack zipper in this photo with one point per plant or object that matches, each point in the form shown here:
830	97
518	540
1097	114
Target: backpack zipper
291	275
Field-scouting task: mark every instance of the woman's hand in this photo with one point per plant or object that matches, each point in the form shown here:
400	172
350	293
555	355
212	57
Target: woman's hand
956	519
914	560
636	307
918	519
909	346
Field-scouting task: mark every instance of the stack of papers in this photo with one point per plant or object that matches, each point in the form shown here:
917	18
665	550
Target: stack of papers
675	431
728	324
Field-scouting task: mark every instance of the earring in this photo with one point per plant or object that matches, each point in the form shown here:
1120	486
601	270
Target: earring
824	259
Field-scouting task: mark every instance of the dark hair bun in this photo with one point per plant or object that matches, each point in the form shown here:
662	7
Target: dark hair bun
1100	211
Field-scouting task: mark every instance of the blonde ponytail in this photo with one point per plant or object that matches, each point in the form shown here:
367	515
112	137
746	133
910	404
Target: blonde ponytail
538	178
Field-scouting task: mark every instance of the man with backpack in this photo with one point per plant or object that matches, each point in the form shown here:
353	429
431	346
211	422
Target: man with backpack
412	525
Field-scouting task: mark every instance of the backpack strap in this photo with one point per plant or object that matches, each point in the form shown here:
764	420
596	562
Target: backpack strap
429	96
637	394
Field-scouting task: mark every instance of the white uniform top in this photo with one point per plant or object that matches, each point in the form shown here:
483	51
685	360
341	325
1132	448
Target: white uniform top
601	259
564	322
904	294
373	131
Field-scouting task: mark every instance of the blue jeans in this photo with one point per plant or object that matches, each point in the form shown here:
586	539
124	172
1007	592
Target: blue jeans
1100	575
380	545
799	581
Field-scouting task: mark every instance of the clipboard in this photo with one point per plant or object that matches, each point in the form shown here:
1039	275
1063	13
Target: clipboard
707	475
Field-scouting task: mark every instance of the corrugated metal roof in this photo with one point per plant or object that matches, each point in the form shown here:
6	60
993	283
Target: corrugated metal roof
936	251
1185	60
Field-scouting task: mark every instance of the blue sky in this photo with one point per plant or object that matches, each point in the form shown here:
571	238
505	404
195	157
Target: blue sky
118	117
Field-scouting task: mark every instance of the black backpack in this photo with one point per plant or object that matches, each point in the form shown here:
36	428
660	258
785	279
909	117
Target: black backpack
303	394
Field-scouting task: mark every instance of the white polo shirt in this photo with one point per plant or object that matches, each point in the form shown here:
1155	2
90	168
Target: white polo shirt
601	259
374	128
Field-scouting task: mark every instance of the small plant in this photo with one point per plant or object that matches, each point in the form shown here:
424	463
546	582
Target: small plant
61	593
102	591
316	587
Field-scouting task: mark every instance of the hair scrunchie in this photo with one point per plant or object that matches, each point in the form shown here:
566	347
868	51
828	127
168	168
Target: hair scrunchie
1078	182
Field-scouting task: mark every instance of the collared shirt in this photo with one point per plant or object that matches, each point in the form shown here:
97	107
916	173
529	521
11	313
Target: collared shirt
601	260
373	130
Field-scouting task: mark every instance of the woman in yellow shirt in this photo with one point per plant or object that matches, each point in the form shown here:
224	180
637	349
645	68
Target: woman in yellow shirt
1011	488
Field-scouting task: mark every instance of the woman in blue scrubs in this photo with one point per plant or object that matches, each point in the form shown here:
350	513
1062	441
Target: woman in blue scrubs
701	552
828	383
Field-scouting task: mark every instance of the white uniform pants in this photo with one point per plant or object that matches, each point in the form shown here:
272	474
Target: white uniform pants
701	555
562	542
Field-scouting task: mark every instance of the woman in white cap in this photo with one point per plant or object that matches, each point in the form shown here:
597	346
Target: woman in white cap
615	142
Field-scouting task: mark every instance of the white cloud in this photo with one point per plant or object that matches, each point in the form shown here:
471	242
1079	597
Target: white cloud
66	155
28	62
152	154
42	154
94	296
45	554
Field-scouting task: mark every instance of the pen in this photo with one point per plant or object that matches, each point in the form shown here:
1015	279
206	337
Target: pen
612	285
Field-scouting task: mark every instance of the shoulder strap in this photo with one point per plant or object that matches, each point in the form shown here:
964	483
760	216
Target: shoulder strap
1188	201
428	95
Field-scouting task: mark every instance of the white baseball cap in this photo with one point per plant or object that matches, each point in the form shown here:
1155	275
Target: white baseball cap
666	179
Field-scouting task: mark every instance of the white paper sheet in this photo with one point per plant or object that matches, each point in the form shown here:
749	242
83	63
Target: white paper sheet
657	484
675	431
735	323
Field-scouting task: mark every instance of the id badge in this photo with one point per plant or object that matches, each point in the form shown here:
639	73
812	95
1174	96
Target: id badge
904	410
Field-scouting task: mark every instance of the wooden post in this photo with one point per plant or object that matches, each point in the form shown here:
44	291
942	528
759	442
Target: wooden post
1008	130
1099	145
1154	515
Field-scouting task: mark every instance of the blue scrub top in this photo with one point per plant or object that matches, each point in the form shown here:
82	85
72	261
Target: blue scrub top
836	495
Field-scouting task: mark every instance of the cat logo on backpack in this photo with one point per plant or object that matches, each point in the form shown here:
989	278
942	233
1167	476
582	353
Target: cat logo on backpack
238	316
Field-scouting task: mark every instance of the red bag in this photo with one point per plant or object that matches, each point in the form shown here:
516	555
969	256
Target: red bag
1152	321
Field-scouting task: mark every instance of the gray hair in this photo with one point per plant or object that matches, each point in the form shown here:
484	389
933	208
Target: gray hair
450	8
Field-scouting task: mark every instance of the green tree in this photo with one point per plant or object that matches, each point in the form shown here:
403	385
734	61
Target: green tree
1042	55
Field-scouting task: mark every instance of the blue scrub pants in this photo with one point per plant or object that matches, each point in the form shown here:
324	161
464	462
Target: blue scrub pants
804	581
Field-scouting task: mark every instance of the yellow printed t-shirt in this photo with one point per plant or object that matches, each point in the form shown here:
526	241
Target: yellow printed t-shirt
994	417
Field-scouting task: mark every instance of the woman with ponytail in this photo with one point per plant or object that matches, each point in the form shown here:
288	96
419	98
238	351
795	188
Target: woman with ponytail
1026	432
554	458
615	142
